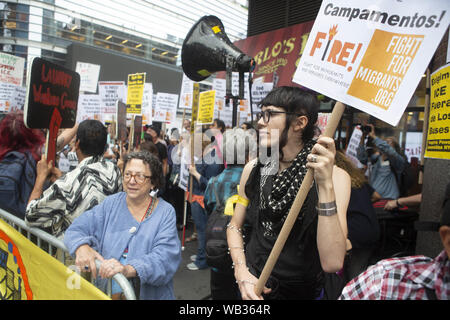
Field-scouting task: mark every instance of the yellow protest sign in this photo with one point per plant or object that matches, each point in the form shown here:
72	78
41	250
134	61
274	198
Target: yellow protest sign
29	273
195	103
135	92
206	107
438	135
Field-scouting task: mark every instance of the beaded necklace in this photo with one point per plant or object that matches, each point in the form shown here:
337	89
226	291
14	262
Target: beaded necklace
150	208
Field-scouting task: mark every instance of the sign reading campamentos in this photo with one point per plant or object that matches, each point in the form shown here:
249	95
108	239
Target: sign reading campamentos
372	56
438	135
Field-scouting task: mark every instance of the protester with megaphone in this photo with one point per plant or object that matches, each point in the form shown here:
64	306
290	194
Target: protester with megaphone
317	243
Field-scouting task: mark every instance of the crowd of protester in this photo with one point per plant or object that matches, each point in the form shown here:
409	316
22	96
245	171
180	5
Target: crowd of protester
124	206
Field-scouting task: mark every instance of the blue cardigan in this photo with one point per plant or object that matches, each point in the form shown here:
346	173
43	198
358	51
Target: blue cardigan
154	248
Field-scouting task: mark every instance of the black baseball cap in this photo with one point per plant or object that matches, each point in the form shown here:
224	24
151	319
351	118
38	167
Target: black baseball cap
154	127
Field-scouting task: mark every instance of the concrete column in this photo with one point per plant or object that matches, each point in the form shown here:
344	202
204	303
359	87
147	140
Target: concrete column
436	178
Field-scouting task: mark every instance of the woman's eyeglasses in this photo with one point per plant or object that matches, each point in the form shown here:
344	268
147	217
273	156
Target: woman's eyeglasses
266	114
138	177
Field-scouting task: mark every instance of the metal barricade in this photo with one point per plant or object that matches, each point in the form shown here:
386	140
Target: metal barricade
51	243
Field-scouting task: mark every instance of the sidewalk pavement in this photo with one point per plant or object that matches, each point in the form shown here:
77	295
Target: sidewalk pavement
190	285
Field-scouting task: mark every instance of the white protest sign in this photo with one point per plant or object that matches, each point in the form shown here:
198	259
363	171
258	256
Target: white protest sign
110	92
372	55
221	110
353	144
88	76
322	120
259	92
12	97
147	104
413	145
184	169
187	87
166	107
89	107
11	69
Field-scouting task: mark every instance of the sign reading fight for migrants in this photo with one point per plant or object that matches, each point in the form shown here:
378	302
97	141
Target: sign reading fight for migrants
438	136
52	92
135	91
372	56
29	273
11	69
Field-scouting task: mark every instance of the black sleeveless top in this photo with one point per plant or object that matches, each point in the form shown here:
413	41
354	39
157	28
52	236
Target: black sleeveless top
297	273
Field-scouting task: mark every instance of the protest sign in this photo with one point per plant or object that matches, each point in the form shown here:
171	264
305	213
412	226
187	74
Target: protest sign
50	88
121	124
135	91
206	107
353	144
88	76
413	145
322	120
187	85
372	56
11	69
438	135
223	111
51	100
12	97
89	107
110	92
166	107
29	273
147	104
260	91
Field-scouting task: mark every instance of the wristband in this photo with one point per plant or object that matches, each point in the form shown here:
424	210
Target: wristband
398	204
326	212
326	205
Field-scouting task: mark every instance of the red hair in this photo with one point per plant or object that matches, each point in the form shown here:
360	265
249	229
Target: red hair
15	136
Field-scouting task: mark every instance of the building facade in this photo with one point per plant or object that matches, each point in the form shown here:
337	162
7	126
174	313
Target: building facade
143	32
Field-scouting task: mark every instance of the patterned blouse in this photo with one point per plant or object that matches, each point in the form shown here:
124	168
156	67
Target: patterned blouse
77	191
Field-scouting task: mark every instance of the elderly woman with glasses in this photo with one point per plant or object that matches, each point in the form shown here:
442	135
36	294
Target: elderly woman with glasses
268	187
132	232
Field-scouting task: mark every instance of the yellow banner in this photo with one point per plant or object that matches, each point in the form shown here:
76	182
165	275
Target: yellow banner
135	92
438	135
29	273
206	107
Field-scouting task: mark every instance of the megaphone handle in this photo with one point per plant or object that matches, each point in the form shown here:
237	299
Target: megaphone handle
241	85
229	75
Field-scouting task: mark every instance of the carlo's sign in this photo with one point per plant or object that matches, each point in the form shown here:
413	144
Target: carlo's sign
51	89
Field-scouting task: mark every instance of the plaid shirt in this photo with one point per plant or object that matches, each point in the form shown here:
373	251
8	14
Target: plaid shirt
402	279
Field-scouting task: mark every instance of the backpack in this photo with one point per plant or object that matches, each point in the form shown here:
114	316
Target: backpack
217	255
17	178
